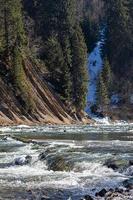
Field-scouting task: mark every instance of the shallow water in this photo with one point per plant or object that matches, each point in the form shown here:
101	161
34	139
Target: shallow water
87	148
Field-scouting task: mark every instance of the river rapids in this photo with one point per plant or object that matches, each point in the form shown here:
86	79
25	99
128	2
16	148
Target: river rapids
85	148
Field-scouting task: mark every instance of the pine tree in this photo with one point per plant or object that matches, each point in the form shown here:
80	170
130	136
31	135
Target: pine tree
22	91
67	12
14	43
104	86
118	33
58	66
66	84
66	81
12	24
106	73
65	51
53	57
102	100
79	69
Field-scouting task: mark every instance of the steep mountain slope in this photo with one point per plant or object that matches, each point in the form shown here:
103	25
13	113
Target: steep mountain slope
34	30
48	107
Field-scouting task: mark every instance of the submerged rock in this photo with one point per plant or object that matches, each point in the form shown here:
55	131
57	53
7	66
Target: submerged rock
116	164
111	164
58	163
23	160
128	183
42	156
128	171
46	154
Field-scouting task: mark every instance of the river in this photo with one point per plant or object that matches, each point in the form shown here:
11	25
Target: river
85	149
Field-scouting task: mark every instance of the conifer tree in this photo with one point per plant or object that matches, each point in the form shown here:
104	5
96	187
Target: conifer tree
102	100
106	73
14	42
66	81
79	69
118	33
66	84
12	24
53	56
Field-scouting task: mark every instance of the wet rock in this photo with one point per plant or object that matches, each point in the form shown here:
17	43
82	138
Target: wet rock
87	197
23	160
58	163
130	162
111	190
111	164
128	184
46	154
109	193
118	194
128	171
113	196
119	190
116	164
101	193
42	156
5	138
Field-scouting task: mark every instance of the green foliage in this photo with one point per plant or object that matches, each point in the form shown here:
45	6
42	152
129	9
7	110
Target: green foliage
12	24
66	84
79	69
102	100
12	43
63	49
120	42
106	73
66	80
119	37
104	85
90	30
53	57
65	52
21	84
58	64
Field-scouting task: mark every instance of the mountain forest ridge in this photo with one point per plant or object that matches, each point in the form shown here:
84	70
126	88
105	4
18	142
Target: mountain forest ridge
44	47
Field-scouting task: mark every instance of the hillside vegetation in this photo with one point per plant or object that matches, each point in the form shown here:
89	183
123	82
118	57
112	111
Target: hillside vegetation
44	47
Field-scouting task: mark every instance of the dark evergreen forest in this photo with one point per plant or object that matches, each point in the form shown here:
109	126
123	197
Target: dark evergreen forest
59	35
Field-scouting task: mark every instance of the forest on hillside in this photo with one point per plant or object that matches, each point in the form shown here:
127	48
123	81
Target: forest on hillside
57	37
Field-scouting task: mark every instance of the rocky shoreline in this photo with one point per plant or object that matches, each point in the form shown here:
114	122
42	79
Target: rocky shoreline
125	192
112	194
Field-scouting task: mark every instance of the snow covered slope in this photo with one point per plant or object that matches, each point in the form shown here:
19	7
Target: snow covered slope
95	64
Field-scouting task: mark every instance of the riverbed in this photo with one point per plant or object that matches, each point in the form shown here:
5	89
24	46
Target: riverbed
85	149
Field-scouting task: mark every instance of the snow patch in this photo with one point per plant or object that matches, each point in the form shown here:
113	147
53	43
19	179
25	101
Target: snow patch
95	65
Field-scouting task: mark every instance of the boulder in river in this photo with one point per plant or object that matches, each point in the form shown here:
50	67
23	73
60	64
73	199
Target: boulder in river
58	163
42	156
23	160
111	164
101	193
116	164
130	162
128	171
128	183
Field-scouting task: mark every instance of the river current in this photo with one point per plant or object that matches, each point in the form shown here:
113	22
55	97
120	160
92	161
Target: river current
85	148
